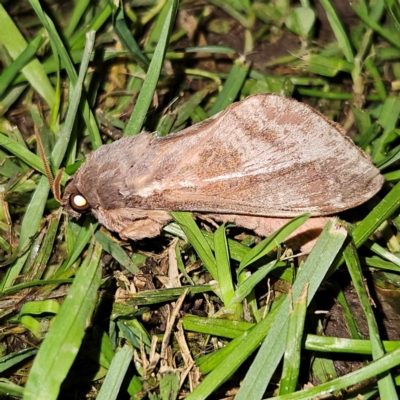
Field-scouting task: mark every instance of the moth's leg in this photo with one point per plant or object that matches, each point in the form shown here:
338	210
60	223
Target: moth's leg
146	227
140	229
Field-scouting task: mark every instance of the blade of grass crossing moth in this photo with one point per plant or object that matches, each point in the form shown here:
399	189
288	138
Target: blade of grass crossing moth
291	358
313	272
15	44
387	389
59	349
337	27
136	121
111	386
268	244
197	240
232	86
90	121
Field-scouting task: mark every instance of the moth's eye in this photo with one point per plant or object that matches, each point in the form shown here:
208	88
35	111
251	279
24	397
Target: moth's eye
78	202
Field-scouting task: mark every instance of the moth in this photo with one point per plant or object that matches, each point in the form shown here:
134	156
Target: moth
257	163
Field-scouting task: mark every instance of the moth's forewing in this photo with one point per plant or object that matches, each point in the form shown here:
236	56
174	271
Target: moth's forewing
266	155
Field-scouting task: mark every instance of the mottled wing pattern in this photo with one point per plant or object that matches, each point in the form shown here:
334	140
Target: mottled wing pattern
267	155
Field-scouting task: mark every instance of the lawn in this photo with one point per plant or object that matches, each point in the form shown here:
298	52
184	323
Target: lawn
196	309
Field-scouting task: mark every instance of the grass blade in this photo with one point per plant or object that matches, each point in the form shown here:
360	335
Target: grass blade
61	345
312	272
143	102
111	386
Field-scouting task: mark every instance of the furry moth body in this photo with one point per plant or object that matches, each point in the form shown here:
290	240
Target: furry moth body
261	160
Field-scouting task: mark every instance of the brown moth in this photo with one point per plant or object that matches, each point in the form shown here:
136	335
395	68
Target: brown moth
260	161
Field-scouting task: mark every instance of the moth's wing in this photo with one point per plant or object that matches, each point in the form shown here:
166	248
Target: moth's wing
266	155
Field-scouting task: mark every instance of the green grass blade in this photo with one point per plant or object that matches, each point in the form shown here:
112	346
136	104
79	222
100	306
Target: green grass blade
213	326
82	239
391	36
223	266
112	247
77	13
94	24
12	359
29	228
8	388
143	102
232	86
62	343
339	31
388	205
125	36
236	351
291	359
15	44
111	386
268	244
197	240
373	369
61	146
393	7
19	63
250	283
387	389
312	272
68	65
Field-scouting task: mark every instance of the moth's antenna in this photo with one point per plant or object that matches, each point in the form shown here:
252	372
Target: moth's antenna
54	183
57	187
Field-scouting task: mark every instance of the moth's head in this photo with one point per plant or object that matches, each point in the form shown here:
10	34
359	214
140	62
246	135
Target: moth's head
100	182
75	202
83	191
